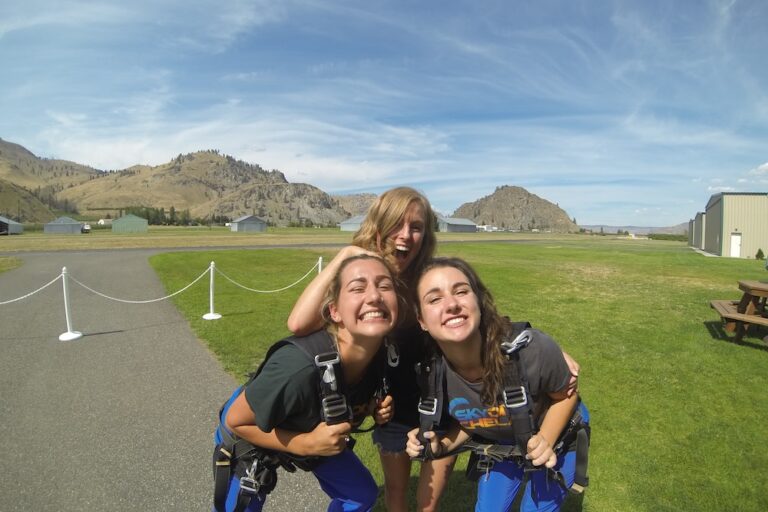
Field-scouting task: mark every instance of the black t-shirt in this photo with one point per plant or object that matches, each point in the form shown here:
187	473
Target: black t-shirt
547	372
286	393
403	385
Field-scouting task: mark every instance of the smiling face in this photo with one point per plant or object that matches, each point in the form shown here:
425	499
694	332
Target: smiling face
448	306
408	236
366	306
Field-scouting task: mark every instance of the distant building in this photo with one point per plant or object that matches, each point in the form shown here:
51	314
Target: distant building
248	223
130	223
736	224
697	234
352	223
455	225
10	227
63	226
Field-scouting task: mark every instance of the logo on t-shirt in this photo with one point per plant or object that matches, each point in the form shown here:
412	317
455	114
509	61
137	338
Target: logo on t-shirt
470	417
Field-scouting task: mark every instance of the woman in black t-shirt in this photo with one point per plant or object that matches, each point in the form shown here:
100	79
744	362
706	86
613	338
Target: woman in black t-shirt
280	409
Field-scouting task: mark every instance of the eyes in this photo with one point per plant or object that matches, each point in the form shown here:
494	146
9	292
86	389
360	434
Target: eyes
437	297
383	285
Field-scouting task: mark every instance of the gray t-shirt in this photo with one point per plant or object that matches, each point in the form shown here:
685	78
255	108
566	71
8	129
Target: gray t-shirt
547	372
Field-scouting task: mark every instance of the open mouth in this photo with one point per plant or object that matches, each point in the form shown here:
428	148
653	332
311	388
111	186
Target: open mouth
374	315
401	252
455	322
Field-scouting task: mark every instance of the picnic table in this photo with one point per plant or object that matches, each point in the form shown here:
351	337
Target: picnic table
739	315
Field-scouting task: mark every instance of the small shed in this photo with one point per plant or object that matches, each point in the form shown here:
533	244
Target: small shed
248	223
10	227
455	225
352	223
63	226
130	223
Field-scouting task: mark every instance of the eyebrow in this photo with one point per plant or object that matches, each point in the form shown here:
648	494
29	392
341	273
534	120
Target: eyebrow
376	279
453	287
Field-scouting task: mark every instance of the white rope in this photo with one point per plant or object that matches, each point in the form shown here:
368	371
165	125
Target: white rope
31	293
140	301
267	291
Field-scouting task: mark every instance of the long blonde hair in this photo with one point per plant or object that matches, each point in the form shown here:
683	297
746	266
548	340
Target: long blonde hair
384	216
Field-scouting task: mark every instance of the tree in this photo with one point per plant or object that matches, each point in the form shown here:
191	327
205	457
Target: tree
759	255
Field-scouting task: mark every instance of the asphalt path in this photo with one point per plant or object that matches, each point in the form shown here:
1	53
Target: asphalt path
122	418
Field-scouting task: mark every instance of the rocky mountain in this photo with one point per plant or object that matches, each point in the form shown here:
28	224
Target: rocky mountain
355	204
515	208
206	183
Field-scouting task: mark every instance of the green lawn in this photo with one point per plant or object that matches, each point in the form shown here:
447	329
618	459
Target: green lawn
679	413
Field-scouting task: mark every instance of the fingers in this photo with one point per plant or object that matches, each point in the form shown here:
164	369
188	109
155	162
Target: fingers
385	409
540	452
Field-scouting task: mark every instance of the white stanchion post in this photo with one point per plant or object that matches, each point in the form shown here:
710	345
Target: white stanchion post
319	264
70	335
211	315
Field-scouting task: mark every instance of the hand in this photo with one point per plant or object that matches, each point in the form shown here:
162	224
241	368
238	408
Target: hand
540	452
385	409
413	446
327	440
573	383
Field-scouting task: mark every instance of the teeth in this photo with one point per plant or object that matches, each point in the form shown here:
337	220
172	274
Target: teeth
402	248
373	314
454	321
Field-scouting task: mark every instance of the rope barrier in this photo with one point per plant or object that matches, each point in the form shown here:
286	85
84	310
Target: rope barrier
31	293
270	291
211	315
126	301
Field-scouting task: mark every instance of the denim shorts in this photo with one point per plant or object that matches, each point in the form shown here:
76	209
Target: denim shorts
391	437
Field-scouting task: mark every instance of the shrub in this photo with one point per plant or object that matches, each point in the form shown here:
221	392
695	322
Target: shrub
759	255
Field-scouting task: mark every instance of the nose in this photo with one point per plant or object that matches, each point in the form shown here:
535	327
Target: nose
451	304
404	231
374	295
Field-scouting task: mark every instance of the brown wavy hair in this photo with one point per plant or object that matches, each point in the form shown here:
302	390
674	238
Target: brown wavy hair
493	326
384	216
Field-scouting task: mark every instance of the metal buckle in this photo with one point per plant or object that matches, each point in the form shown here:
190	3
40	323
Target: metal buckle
515	398
428	406
248	483
510	347
335	408
485	464
328	359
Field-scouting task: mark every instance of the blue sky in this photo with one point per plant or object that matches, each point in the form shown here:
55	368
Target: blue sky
622	112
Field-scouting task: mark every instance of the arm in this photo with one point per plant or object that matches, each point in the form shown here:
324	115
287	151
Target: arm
540	446
305	316
324	440
439	445
574	367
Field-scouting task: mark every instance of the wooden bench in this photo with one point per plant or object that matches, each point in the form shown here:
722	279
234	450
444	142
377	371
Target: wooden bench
735	321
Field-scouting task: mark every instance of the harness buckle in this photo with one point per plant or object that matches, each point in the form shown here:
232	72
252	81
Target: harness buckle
248	482
328	359
485	463
514	398
428	406
522	340
335	408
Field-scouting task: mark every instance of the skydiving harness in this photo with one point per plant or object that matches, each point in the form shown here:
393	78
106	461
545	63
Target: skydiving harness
517	400
257	466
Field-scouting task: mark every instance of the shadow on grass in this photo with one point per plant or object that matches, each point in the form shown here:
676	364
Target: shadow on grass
717	332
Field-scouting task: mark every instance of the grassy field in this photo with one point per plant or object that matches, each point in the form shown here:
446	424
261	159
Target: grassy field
679	412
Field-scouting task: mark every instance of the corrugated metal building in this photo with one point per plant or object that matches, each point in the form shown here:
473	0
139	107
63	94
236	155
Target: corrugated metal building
10	227
699	225
455	225
130	223
690	232
63	226
352	223
248	223
736	224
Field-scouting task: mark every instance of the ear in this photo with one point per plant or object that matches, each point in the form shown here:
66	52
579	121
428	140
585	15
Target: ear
334	312
421	323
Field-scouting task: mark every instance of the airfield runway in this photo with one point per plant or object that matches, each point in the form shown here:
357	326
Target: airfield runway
120	419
